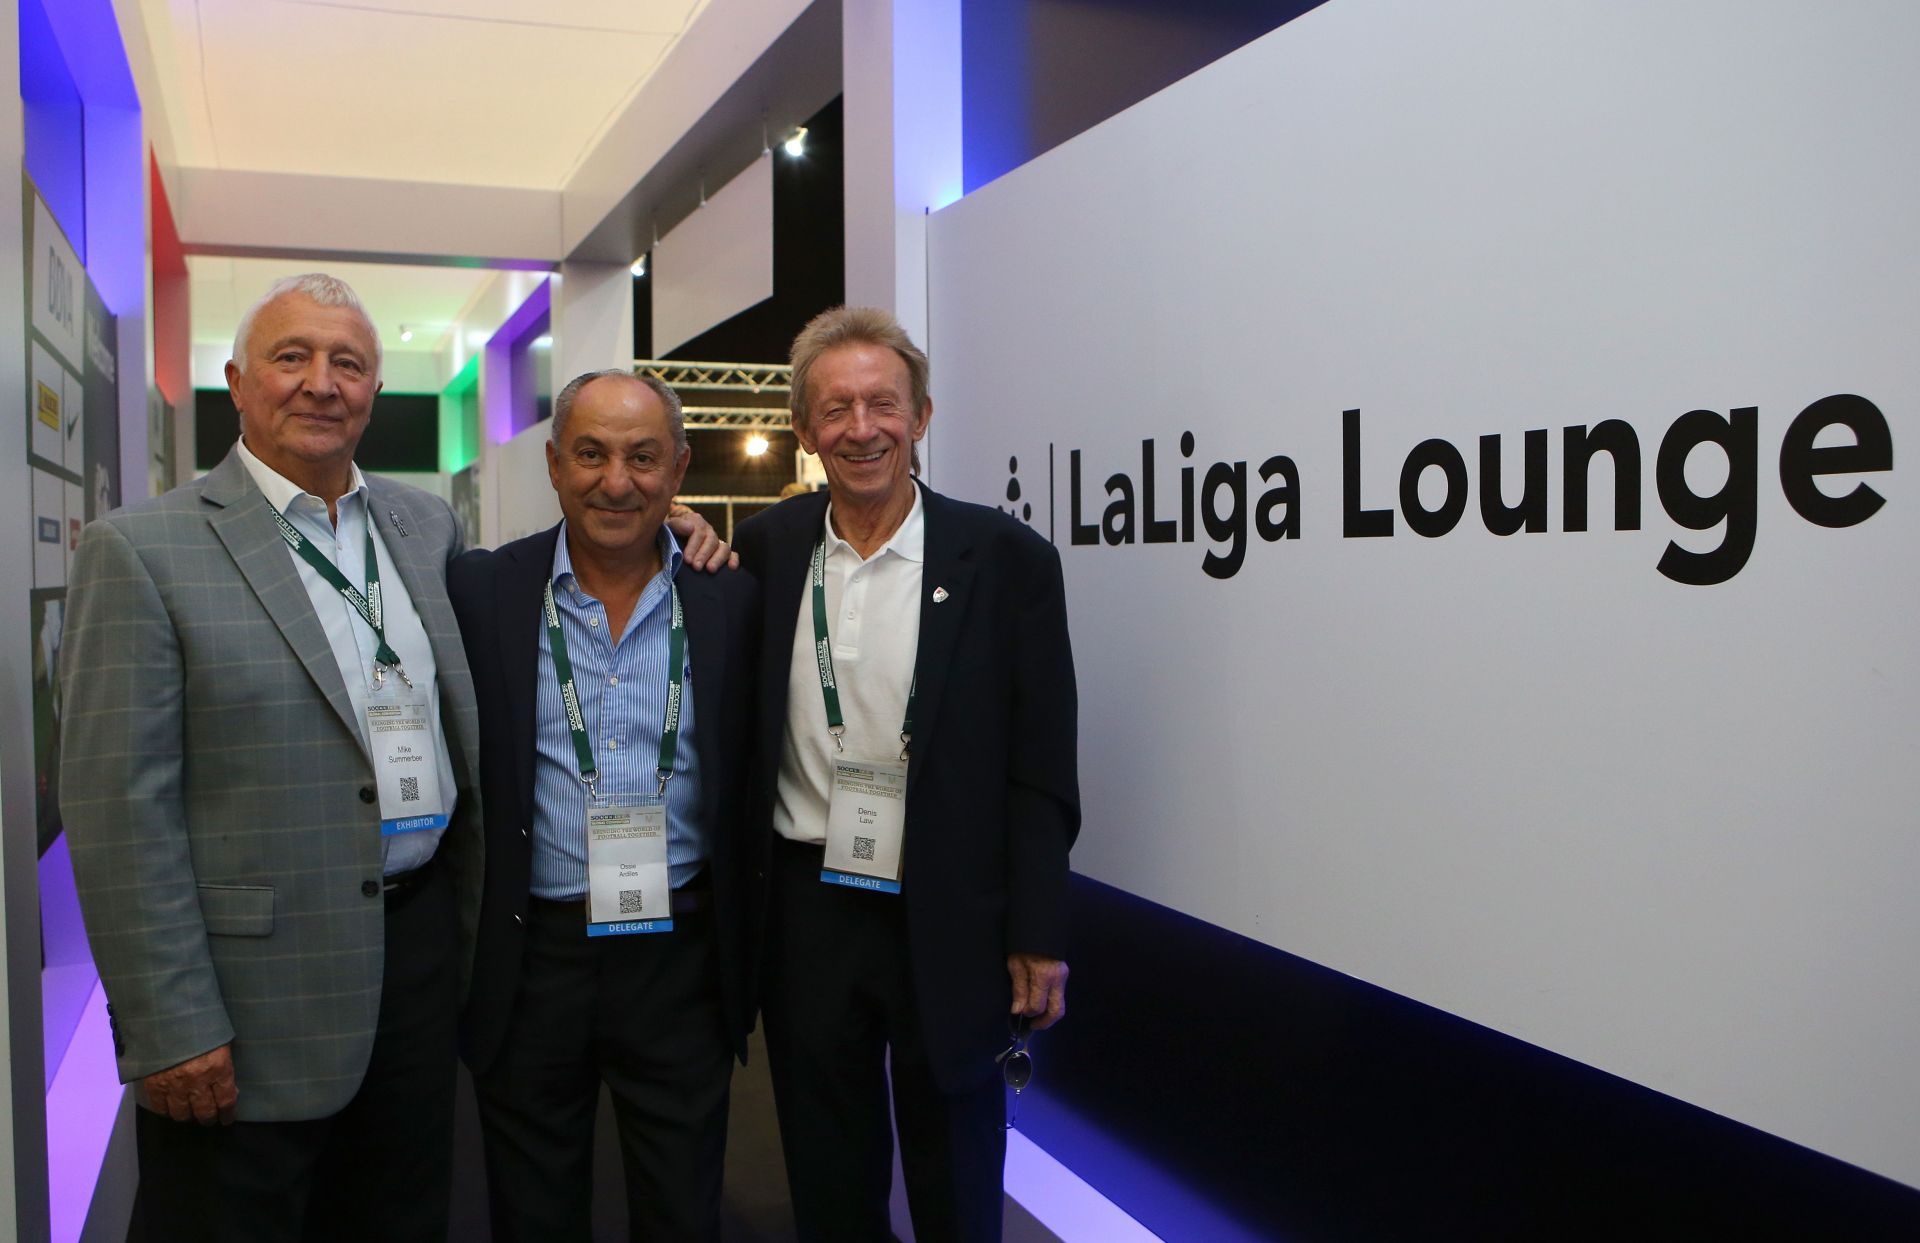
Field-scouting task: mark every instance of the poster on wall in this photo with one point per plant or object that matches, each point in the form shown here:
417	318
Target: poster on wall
466	504
160	448
73	448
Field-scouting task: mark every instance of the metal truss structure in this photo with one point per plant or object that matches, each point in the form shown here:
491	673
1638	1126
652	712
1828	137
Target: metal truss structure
685	377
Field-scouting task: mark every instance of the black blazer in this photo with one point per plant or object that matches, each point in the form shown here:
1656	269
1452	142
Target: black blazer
993	799
496	596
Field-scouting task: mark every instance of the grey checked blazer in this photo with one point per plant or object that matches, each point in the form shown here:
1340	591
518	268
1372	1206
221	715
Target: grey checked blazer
212	785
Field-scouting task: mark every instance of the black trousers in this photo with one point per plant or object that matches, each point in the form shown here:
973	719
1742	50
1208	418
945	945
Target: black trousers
840	1013
643	1014
380	1169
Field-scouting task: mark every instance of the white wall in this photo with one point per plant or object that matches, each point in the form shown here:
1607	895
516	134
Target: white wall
1667	830
524	498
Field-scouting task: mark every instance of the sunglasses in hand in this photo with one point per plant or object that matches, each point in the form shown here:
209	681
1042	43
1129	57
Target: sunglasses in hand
1016	1064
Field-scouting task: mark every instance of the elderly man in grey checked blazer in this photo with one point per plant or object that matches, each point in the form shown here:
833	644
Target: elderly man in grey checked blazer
268	788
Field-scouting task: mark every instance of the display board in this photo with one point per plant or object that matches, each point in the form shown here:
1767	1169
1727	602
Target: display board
717	262
73	445
1474	439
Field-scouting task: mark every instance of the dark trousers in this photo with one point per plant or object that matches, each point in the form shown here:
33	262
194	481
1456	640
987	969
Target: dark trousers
380	1169
641	1013
840	1013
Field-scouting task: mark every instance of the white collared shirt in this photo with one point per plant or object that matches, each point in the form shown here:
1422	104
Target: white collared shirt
351	639
873	618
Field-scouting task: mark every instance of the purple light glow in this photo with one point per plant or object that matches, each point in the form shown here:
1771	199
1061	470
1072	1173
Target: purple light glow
69	977
1064	1203
112	152
496	366
82	1107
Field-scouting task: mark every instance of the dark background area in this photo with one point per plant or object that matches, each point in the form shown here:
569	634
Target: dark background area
402	435
809	259
1218	1088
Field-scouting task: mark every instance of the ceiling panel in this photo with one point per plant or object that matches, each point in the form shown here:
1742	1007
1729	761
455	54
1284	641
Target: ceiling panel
427	299
472	92
633	16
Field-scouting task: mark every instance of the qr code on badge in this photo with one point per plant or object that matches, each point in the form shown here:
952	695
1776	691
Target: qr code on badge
409	789
630	903
863	848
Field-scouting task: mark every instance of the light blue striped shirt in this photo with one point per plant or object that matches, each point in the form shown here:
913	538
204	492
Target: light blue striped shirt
623	698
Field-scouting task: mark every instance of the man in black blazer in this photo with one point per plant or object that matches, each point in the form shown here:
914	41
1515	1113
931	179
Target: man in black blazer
615	698
916	761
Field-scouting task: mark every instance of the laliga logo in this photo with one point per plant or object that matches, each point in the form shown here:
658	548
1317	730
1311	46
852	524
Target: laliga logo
1228	503
1021	510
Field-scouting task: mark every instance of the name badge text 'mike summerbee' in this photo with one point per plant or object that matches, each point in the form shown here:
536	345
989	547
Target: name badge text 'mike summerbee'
406	761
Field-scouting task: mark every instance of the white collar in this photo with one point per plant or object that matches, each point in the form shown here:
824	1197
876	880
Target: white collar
280	491
908	541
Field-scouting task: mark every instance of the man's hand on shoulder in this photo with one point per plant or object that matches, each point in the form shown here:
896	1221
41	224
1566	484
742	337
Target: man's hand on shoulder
1039	988
200	1089
700	545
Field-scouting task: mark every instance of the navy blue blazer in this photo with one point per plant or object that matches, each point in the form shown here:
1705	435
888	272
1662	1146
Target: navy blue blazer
497	599
993	796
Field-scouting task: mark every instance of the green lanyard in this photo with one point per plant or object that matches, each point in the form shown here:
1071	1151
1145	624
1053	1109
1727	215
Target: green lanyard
576	721
823	654
366	604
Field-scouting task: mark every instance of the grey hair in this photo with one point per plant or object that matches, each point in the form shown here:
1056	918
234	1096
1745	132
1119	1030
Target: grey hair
855	325
563	402
321	288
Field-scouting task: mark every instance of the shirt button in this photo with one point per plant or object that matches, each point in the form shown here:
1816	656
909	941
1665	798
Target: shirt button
613	681
593	622
613	744
370	888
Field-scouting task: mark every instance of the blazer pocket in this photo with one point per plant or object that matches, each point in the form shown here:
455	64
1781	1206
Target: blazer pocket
237	910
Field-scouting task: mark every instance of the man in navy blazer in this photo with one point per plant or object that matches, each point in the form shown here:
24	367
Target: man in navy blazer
916	762
612	686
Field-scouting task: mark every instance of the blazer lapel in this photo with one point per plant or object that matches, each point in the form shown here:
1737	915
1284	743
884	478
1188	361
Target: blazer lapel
790	551
948	567
244	523
706	625
517	612
420	563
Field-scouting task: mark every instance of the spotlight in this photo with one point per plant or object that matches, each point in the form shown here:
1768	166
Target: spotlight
542	343
796	144
640	266
406	333
756	445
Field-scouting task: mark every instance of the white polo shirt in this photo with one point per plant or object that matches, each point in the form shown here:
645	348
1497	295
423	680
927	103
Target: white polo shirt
873	618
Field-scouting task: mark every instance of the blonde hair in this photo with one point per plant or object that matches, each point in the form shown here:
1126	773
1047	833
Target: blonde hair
856	325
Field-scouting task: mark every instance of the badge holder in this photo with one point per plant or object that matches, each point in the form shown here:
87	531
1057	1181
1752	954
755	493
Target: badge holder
866	824
627	886
406	762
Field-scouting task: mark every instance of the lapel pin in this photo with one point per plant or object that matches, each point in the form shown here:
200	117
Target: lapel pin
939	594
397	524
